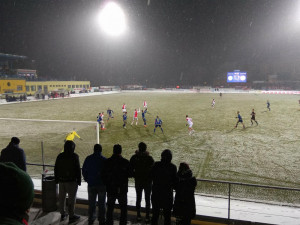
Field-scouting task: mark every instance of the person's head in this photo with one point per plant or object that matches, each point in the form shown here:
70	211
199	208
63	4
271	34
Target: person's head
69	147
166	156
117	149
186	116
15	140
252	110
238	112
157	117
97	148
142	147
183	167
16	191
142	110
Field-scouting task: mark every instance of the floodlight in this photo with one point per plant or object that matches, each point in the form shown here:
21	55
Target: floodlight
112	19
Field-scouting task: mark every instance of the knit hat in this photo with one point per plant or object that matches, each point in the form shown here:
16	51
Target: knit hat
16	189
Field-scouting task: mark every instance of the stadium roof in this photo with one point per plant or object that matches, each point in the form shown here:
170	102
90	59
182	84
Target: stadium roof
6	57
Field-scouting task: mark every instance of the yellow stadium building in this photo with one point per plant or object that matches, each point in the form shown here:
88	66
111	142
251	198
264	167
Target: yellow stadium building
50	86
21	86
12	86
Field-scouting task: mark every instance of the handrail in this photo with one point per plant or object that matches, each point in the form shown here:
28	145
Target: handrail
212	181
229	183
248	184
36	164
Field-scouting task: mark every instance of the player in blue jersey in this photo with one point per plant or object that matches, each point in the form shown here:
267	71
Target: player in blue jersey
268	105
100	120
124	119
240	120
110	114
158	123
144	118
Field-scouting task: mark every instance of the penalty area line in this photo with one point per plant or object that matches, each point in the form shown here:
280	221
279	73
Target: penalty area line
38	120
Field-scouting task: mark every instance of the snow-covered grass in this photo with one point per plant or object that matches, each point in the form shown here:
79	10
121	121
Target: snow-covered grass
264	154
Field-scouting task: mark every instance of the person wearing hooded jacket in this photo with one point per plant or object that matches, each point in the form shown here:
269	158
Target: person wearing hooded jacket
67	174
92	170
163	176
13	153
116	172
184	207
141	163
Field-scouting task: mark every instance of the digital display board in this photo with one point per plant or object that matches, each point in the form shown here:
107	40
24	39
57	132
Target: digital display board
236	77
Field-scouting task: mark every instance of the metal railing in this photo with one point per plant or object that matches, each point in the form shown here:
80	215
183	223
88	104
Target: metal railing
226	191
260	191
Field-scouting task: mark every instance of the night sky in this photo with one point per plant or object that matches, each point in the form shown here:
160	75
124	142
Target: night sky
168	42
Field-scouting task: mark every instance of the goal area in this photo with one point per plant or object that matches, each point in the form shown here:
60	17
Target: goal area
43	140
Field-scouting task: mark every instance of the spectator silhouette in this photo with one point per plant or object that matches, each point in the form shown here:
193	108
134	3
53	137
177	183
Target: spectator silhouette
116	172
68	175
141	163
184	205
16	194
92	172
13	153
164	178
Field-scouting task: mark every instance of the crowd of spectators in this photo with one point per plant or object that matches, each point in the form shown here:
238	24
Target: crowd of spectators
106	178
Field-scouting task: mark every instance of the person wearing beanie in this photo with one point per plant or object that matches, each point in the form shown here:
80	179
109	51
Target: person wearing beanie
92	170
164	178
16	194
67	174
116	172
184	205
13	153
141	163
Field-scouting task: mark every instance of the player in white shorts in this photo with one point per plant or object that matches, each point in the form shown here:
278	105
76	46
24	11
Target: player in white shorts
213	103
190	124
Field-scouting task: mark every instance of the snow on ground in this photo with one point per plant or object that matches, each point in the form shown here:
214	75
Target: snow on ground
214	206
218	207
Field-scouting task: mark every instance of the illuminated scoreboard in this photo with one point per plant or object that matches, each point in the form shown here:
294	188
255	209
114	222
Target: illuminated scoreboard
237	77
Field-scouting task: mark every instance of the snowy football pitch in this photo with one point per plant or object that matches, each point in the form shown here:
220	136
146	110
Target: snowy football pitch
265	154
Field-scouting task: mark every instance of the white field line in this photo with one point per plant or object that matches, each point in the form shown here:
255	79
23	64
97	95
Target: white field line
37	120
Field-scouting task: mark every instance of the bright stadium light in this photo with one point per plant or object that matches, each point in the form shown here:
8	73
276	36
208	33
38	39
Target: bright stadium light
112	19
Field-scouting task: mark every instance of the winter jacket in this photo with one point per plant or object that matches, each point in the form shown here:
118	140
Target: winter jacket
184	204
13	153
67	167
92	169
116	172
141	163
164	178
10	221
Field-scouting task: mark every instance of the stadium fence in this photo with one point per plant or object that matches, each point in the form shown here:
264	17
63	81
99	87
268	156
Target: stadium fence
266	194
